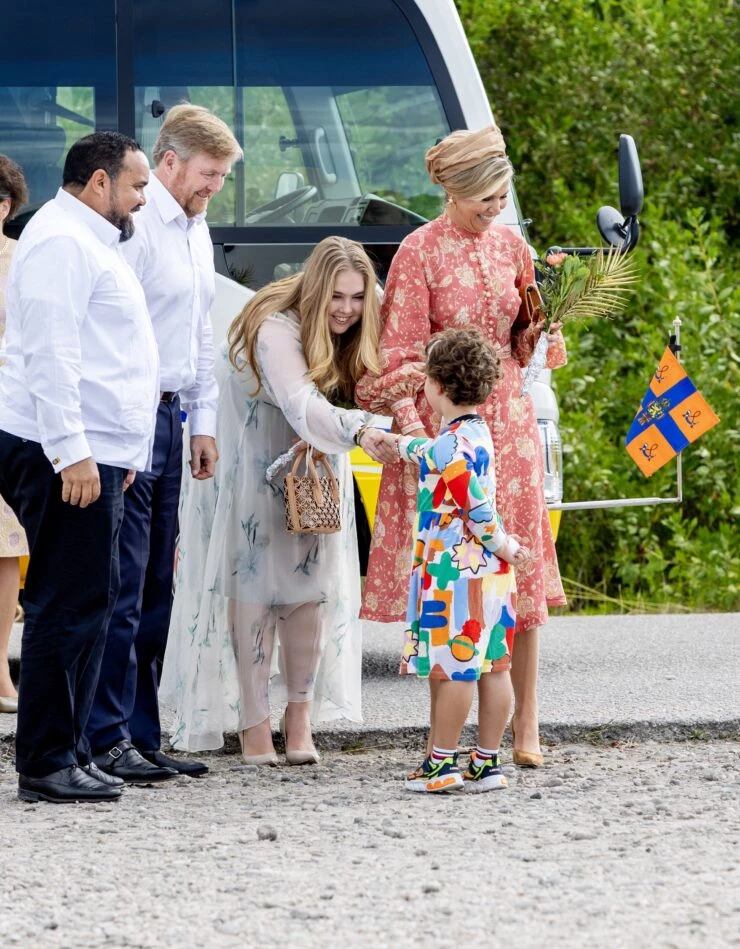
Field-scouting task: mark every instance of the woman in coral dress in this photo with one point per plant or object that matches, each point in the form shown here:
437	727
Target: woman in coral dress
463	270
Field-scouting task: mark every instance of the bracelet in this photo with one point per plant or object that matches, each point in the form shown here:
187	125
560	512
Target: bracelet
359	433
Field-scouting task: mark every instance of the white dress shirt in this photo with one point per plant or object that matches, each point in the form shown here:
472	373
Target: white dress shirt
81	375
172	256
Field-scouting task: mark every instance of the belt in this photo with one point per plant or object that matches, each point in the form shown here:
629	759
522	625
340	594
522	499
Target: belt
167	396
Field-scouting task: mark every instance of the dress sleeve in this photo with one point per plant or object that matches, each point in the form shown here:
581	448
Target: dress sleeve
557	354
454	458
406	330
286	380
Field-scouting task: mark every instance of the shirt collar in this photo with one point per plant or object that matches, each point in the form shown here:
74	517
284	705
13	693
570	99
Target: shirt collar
106	232
169	208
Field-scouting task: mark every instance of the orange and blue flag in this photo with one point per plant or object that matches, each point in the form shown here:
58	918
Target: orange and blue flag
672	415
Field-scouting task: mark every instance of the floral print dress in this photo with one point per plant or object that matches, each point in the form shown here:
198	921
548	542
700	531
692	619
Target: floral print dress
462	597
235	555
443	276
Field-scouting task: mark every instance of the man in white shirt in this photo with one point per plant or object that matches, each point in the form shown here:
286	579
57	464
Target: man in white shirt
172	255
78	397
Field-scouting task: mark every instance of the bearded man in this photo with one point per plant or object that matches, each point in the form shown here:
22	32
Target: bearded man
172	256
78	399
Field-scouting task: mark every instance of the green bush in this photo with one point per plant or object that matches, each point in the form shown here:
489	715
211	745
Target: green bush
565	77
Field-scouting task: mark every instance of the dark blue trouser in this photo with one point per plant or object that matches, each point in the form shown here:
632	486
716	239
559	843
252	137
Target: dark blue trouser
126	703
70	591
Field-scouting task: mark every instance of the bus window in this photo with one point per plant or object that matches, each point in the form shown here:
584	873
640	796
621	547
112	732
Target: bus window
55	86
184	57
362	108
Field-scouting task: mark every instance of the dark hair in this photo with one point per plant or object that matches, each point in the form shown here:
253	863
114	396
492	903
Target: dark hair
106	150
464	364
12	185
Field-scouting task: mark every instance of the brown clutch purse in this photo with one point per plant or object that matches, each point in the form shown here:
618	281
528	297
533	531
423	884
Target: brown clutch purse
312	500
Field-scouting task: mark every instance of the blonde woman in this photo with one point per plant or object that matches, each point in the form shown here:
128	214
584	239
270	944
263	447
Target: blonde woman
243	582
466	271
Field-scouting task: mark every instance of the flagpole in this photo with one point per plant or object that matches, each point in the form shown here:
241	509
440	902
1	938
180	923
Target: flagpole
679	456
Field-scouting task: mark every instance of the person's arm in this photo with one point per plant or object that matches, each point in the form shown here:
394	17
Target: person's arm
454	458
200	400
285	377
524	333
55	287
406	330
413	447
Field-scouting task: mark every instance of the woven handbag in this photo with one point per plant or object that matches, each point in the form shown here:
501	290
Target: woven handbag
311	501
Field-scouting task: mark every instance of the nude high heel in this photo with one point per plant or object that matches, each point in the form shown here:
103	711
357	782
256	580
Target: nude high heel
301	756
525	759
8	704
270	758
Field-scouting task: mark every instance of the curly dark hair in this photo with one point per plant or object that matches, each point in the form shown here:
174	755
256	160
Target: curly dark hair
464	364
12	185
106	150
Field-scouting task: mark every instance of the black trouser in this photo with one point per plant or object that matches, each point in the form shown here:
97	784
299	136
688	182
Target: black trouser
126	704
71	588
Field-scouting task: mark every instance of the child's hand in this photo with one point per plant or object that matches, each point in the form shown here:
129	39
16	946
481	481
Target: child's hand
522	556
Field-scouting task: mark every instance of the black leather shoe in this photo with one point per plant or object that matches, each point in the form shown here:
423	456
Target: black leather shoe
124	761
94	771
188	766
66	786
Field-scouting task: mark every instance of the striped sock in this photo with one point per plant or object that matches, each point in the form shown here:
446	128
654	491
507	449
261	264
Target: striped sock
439	754
482	754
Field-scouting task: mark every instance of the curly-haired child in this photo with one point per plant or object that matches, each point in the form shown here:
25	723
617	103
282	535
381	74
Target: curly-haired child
463	593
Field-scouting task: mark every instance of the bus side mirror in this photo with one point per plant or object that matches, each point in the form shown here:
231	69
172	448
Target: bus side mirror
622	230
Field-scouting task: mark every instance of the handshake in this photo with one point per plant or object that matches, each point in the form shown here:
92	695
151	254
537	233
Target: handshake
382	446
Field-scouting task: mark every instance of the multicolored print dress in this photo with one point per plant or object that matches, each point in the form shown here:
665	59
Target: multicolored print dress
443	276
462	598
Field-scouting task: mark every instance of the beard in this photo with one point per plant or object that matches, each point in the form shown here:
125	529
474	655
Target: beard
123	220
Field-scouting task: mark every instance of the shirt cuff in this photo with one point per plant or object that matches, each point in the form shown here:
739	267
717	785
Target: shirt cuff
202	422
68	451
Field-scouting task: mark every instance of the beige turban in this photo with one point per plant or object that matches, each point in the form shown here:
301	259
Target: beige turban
461	151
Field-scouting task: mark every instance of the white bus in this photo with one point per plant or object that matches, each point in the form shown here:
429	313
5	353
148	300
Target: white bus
334	105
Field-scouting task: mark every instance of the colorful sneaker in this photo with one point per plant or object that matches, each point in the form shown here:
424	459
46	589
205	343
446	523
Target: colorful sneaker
436	777
485	775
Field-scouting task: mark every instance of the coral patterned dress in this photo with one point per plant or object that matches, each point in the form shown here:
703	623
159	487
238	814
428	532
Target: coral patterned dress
443	276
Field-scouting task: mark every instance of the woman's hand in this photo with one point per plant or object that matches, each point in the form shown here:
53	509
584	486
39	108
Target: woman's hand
552	333
380	445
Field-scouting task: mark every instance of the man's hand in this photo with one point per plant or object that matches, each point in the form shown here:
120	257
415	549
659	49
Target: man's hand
81	483
129	479
203	457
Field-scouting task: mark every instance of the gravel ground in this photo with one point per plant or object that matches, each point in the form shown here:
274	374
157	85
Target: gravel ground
623	846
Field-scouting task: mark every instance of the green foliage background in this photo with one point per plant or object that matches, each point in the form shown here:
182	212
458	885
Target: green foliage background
564	78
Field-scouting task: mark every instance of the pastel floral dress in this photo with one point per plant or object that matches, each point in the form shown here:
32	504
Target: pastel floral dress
12	536
462	597
443	276
234	550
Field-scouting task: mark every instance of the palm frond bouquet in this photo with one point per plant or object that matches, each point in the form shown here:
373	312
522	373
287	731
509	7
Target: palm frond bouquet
577	288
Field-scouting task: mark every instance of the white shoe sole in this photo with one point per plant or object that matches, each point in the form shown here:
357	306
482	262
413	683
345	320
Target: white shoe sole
444	785
493	783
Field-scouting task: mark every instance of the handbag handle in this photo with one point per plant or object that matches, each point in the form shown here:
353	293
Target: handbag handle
318	494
